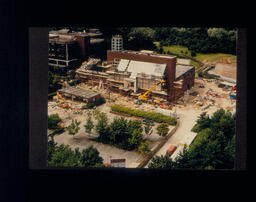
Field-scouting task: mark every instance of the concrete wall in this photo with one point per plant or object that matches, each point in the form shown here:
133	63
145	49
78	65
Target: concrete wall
187	83
84	45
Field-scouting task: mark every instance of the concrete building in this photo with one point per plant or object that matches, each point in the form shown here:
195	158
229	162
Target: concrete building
133	73
117	43
68	48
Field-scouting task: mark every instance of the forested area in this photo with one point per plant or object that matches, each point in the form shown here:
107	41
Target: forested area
213	148
64	156
197	39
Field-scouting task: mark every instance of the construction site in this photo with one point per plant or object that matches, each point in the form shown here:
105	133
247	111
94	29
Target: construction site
139	80
134	73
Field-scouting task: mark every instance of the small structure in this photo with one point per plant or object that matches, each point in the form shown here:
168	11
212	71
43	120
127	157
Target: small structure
77	93
119	163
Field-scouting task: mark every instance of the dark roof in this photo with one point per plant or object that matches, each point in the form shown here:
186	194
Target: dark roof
79	92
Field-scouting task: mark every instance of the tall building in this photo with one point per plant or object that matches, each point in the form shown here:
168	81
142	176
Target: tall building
117	43
67	49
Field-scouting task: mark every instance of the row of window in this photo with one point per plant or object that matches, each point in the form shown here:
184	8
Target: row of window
117	39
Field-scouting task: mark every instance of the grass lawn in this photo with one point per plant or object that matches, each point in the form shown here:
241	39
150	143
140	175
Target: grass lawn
214	57
180	51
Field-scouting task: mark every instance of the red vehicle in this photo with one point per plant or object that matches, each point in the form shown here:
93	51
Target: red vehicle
171	150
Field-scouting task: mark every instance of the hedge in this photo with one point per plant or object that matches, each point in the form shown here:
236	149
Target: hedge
154	116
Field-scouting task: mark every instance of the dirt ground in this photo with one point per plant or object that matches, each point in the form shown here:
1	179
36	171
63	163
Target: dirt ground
82	139
226	70
188	108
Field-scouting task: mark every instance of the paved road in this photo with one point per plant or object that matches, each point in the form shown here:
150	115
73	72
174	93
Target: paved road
188	119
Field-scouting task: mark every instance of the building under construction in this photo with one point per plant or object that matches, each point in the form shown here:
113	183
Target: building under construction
133	73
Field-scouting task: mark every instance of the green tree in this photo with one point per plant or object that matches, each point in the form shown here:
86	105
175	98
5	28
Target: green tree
63	157
229	152
140	38
102	126
144	147
53	121
162	129
51	146
118	130
203	122
90	157
73	128
89	125
213	147
148	128
193	54
135	139
162	162
160	50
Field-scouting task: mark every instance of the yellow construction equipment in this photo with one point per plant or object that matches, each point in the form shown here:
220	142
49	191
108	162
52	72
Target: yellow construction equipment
63	104
146	94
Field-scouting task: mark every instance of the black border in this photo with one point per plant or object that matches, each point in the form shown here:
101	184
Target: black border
17	181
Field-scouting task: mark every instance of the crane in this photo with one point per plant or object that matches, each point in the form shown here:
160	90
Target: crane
146	94
63	105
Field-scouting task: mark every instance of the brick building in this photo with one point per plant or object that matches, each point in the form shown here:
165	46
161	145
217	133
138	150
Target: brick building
133	73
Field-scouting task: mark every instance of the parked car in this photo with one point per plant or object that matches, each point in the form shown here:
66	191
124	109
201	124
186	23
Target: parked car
171	150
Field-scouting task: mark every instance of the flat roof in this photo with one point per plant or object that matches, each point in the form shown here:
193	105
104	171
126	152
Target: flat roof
136	67
96	40
182	69
79	92
122	65
147	52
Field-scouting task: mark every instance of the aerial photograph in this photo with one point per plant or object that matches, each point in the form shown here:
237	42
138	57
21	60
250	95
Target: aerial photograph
142	97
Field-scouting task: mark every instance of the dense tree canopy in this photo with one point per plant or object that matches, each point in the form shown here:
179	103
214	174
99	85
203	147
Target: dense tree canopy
123	133
200	40
213	147
140	38
64	156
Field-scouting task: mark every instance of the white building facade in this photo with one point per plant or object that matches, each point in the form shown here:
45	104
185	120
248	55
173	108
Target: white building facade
117	43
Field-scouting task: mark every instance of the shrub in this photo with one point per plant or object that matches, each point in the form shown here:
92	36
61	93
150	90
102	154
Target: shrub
193	53
162	129
53	121
154	116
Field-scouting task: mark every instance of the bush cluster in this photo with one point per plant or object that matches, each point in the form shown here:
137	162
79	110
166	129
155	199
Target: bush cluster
53	121
64	156
213	147
122	133
154	116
